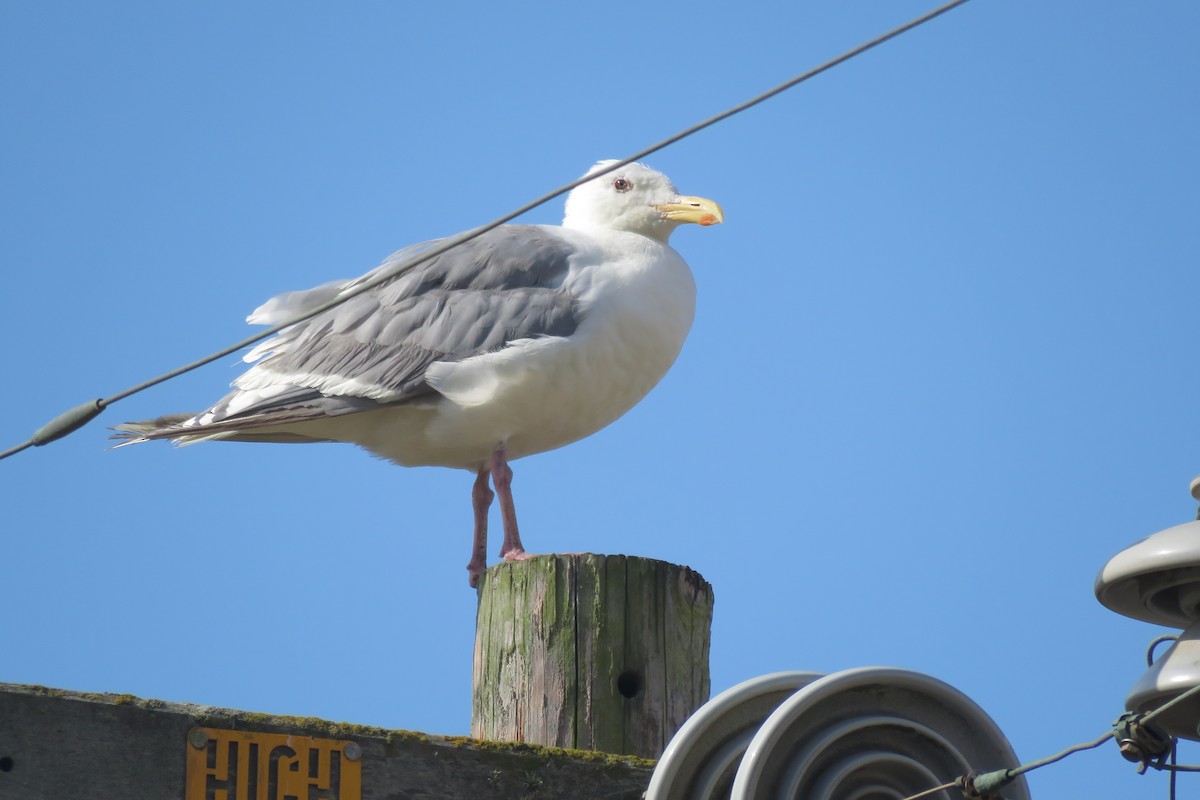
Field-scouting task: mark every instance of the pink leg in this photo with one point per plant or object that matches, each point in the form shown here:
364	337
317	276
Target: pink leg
481	500
511	550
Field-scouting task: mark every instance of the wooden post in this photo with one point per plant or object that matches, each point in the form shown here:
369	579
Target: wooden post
590	652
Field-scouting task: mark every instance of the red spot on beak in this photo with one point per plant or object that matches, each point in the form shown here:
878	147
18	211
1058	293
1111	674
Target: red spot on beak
708	219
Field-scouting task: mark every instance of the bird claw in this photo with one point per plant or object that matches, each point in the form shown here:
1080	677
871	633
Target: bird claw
474	573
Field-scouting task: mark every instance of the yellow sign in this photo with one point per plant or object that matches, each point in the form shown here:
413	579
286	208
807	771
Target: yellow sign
246	765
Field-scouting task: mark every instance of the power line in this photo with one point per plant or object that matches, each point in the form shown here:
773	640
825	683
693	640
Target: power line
982	785
933	791
77	417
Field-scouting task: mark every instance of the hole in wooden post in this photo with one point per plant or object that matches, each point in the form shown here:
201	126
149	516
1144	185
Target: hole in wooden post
629	683
6	764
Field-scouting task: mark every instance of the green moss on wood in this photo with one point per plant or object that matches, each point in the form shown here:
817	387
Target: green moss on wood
313	726
554	634
549	753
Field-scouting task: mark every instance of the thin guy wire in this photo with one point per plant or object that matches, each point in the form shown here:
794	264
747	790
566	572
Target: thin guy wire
1024	768
452	242
12	451
1070	751
933	791
1174	701
1171	779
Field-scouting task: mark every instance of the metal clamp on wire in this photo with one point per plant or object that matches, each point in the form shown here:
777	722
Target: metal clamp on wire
984	785
67	422
1143	743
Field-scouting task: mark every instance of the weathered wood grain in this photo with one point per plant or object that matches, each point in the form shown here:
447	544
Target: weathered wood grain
595	652
61	745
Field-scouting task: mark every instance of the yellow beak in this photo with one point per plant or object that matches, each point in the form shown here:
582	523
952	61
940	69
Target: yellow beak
700	210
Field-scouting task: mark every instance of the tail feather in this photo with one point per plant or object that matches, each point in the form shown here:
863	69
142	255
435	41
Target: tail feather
164	427
172	427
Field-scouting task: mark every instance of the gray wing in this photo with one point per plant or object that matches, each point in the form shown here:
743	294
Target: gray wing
374	348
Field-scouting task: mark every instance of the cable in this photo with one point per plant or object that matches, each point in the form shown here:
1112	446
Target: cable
981	785
1171	780
933	791
985	784
79	416
1166	637
1070	751
1174	701
1173	768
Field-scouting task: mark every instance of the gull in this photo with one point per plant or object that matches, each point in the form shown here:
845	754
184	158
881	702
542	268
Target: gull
521	340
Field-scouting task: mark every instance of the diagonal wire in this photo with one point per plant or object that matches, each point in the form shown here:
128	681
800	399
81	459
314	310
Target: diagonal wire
1001	777
1070	751
933	791
79	416
1174	701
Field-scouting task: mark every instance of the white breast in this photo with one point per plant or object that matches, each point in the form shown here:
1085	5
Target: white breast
636	297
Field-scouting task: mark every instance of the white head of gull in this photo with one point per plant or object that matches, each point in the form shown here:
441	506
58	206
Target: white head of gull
522	340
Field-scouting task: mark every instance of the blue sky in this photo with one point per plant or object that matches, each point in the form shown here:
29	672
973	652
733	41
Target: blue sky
943	365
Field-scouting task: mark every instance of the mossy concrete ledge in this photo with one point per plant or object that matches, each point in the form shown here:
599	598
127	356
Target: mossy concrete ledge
57	744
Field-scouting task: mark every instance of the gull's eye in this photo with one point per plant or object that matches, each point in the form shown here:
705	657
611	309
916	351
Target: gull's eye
622	185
